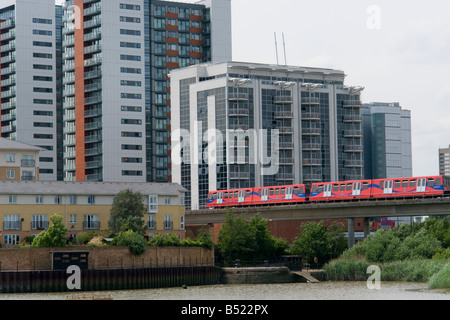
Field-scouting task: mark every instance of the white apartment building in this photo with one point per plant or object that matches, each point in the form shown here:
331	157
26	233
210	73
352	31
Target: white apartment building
28	73
317	117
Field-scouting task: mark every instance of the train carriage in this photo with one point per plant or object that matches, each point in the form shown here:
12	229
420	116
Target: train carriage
410	187
226	198
341	190
280	194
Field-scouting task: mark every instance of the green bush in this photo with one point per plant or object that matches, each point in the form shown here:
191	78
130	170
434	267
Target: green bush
442	254
441	279
134	241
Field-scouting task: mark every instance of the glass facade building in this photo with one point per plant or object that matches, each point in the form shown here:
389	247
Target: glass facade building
387	141
238	125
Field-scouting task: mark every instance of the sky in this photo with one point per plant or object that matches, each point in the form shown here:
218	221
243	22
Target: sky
398	50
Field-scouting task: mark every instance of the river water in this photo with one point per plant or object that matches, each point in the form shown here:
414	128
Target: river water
291	291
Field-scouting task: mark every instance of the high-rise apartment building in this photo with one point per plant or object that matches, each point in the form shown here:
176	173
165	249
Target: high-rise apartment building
118	55
29	82
276	125
387	141
444	161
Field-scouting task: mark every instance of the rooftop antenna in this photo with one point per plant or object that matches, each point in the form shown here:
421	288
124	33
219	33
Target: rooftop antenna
284	48
276	47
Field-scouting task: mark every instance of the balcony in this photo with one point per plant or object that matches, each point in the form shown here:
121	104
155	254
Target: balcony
353	148
238	97
12	225
352	104
312	162
28	163
282	100
39	225
239	175
235	112
311	131
8	24
311	116
95	9
353	133
239	127
284	176
353	163
352	119
286	145
91	225
311	147
310	101
92	74
283	115
312	177
11	34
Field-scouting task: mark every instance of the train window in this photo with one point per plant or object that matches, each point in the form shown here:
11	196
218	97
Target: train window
225	195
397	184
277	192
320	189
296	189
412	183
282	191
272	192
404	183
214	196
336	187
348	187
314	189
438	182
247	193
365	186
431	182
342	187
302	190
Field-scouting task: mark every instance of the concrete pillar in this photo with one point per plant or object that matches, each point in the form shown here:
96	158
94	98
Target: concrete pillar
351	232
366	227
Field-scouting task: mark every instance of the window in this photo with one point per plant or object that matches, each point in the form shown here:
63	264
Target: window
12	239
12	199
128	57
10	157
39	199
131	147
182	222
130	19
131	160
91	199
131	121
131	109
126	134
130	7
132	173
130	45
130	32
152	203
91	222
137	96
131	83
42	55
168	224
130	70
42	67
42	44
10	174
11	222
167	200
39	222
43	21
151	222
40	78
73	219
73	199
42	32
58	200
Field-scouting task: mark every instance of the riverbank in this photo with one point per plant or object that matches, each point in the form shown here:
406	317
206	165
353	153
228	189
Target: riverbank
421	270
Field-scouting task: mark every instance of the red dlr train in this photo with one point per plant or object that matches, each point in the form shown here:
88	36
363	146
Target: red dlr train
332	191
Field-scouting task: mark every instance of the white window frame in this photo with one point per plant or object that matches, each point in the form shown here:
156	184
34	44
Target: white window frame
153	203
10	174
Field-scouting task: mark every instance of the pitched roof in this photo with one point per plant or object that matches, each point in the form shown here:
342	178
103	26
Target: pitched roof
88	188
7	144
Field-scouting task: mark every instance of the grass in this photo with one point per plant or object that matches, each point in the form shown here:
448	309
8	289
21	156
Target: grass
422	270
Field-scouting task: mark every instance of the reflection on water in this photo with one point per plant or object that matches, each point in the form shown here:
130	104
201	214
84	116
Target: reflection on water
290	291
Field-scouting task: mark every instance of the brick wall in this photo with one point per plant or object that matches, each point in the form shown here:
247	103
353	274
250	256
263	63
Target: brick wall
40	259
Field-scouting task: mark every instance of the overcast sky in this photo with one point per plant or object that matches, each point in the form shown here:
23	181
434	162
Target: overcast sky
398	50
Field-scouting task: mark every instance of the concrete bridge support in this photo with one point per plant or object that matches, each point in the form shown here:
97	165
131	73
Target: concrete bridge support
351	230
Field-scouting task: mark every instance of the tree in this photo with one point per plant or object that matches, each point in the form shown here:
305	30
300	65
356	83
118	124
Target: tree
127	212
55	236
313	242
248	241
134	241
235	239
